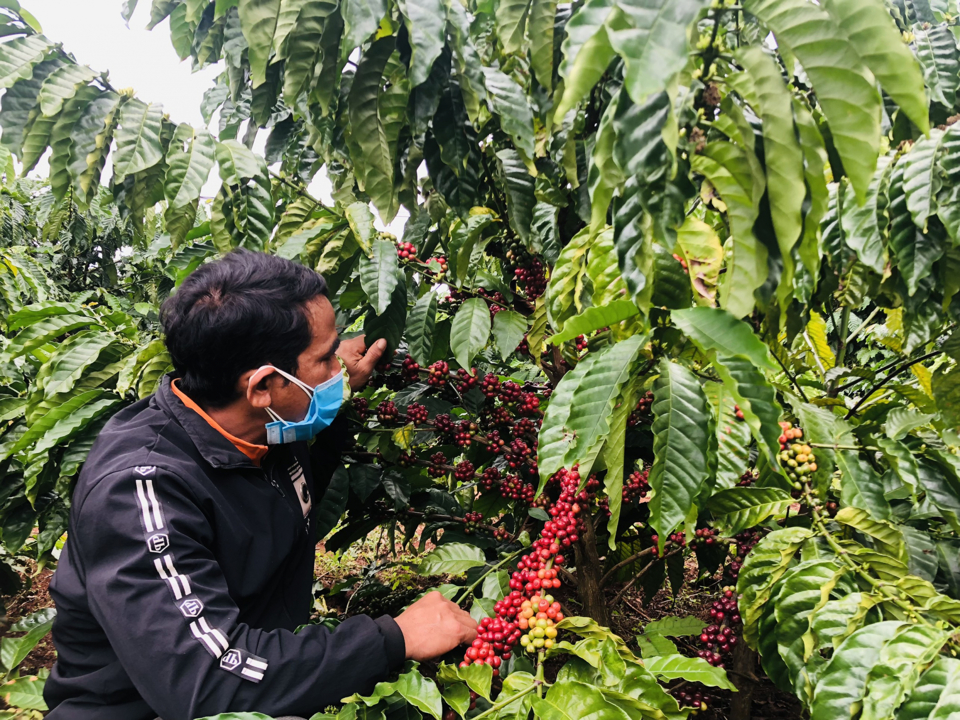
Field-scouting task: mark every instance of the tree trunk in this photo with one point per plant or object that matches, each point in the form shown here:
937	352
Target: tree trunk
588	575
744	676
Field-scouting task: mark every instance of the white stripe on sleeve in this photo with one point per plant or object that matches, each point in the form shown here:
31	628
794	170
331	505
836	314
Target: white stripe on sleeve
256	664
155	504
258	676
144	508
205	639
172	580
174	574
217	635
220	638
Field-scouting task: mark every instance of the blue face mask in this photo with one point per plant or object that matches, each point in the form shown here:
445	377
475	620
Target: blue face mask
325	403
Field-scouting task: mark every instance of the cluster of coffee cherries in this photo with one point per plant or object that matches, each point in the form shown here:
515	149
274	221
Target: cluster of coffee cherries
495	638
361	406
738	412
529	611
438	465
743	543
459	432
694	696
509	392
466	381
539	616
438	374
637	485
707	536
532	278
581	343
417	414
438	263
796	457
677	538
406	251
409	370
498	301
511	486
642	411
471	521
721	636
747	479
463	471
490	385
387	412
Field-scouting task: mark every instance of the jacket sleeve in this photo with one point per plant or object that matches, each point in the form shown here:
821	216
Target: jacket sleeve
159	594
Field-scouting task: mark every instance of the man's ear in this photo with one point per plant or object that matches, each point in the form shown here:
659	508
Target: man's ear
258	385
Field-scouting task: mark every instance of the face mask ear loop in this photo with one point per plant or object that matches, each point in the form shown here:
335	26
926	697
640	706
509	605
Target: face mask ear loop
296	381
273	415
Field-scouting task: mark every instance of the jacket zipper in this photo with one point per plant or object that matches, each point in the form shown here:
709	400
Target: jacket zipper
268	476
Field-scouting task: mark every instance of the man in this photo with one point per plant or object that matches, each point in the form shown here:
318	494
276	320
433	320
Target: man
189	562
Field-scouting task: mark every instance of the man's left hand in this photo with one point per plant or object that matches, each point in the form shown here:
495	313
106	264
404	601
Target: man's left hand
360	360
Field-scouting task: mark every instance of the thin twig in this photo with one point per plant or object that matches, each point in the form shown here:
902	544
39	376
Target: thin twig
813	349
469	591
889	365
499	705
636	556
863	325
300	189
842	349
838	448
616	600
793	380
888	378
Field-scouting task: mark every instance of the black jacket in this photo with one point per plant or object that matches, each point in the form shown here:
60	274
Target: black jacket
186	571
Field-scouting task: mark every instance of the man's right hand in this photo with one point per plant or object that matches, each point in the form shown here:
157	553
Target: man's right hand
434	625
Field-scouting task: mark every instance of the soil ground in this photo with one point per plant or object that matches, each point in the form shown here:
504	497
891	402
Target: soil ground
33	596
769	703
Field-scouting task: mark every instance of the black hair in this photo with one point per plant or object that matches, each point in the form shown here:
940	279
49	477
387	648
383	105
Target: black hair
238	313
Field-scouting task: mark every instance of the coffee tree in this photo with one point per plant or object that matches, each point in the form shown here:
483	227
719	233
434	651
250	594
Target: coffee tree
678	282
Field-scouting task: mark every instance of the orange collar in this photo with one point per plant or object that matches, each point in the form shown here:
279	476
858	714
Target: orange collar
251	450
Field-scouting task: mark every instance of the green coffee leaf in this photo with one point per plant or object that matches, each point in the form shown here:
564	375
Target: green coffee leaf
679	446
470	331
452	559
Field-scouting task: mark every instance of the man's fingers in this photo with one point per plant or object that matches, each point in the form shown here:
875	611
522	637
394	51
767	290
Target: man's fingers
463	617
373	355
468	630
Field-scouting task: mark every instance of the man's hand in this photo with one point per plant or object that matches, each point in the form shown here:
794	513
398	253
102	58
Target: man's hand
434	625
360	360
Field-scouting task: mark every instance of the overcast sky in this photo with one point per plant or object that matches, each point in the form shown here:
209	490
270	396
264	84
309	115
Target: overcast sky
97	36
95	33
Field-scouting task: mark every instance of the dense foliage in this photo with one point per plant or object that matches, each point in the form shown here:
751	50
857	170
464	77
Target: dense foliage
678	281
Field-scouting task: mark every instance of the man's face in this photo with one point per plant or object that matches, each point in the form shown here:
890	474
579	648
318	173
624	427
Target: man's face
317	364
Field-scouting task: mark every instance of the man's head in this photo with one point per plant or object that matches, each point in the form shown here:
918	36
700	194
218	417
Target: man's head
244	311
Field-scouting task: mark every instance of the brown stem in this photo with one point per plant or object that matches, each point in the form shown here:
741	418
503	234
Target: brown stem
616	600
643	553
588	575
745	679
